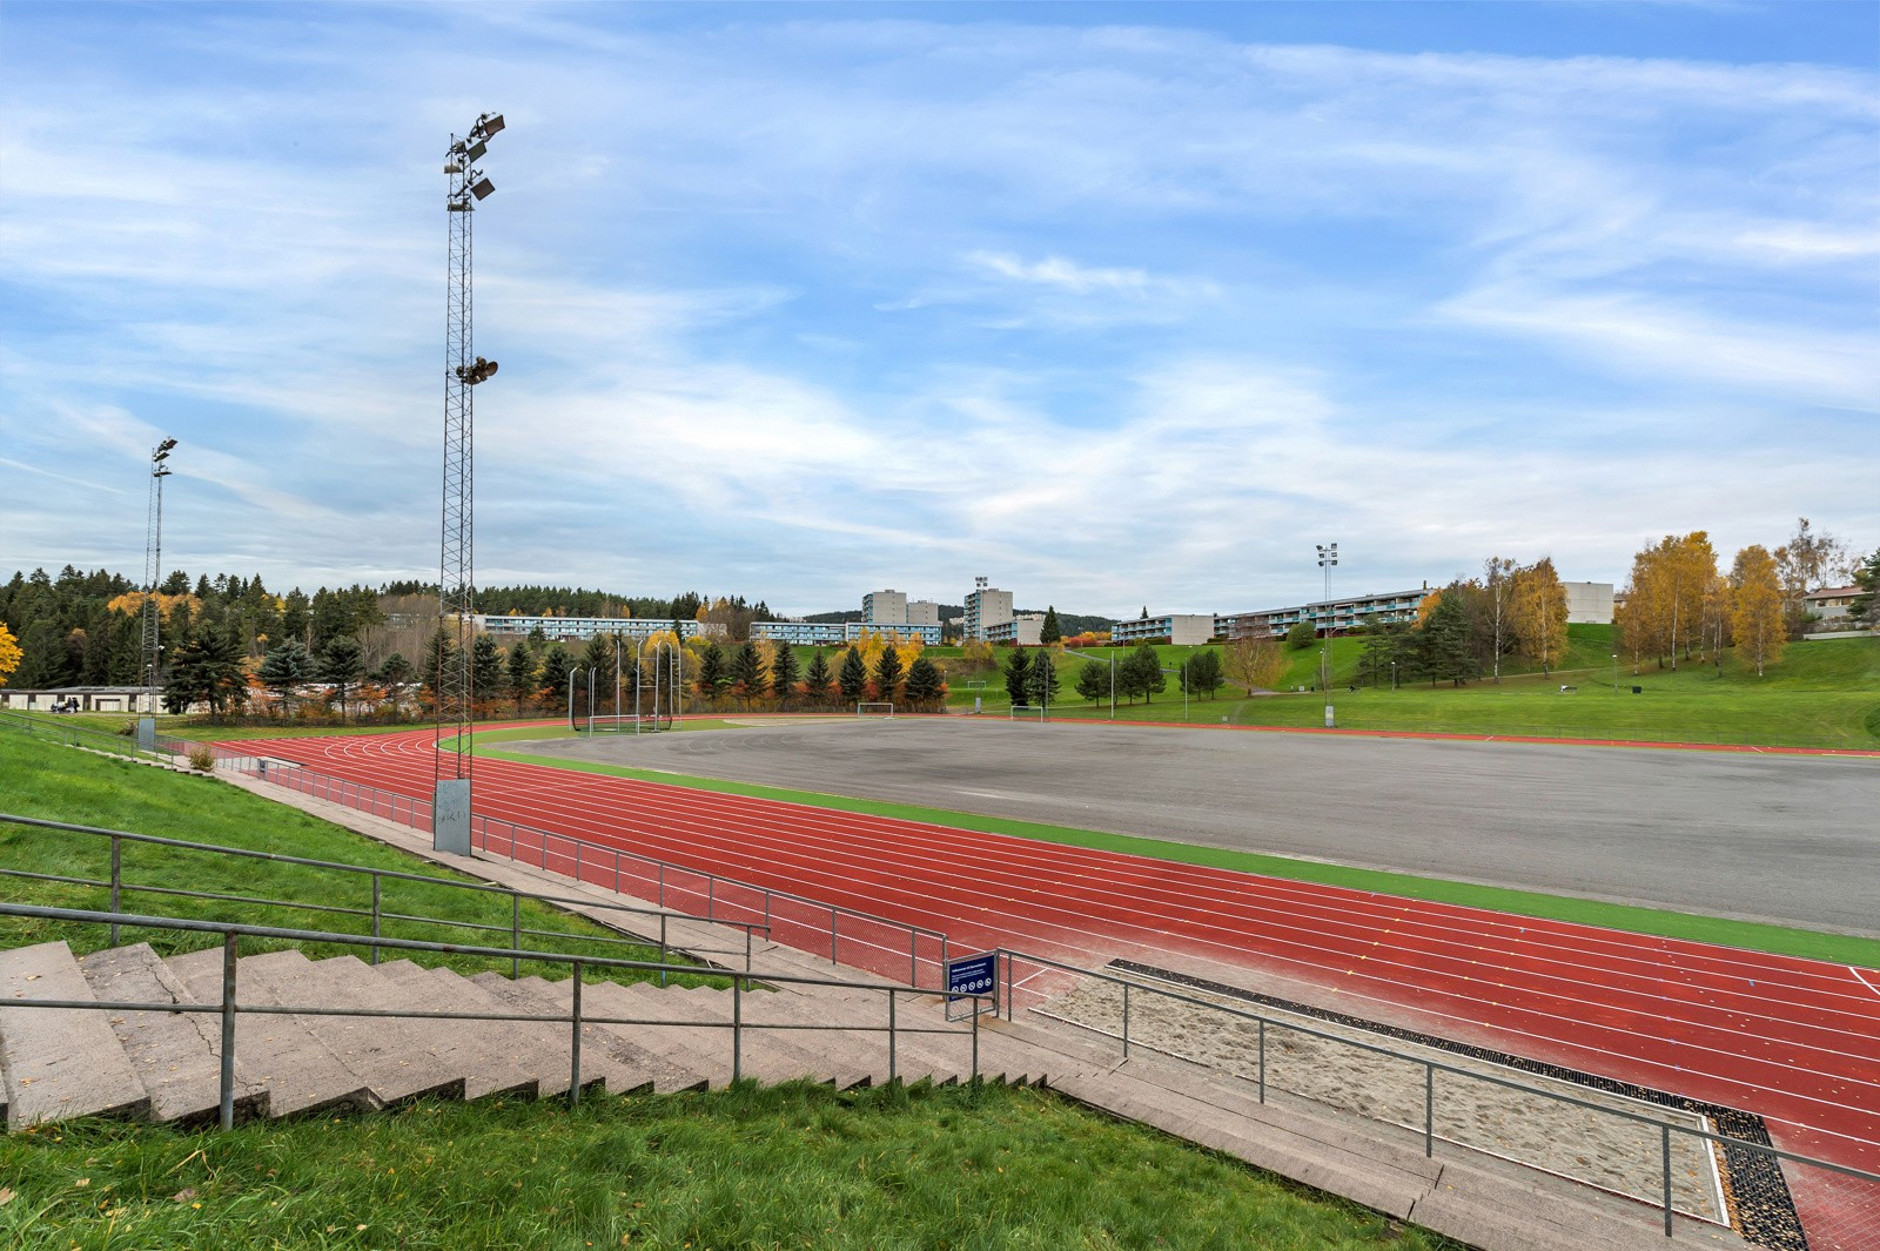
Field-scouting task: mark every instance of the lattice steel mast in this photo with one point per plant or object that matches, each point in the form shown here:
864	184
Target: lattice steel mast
456	580
153	569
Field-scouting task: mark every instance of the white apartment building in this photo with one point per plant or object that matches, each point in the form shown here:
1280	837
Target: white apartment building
585	628
1026	630
1185	629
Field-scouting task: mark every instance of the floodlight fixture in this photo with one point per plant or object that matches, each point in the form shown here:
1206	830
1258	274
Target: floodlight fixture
487	125
481	188
475	151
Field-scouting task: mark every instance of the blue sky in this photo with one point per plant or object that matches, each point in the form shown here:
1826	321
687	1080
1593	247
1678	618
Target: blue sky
1118	305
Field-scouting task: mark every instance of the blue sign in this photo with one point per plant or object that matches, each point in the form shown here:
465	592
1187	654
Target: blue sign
972	975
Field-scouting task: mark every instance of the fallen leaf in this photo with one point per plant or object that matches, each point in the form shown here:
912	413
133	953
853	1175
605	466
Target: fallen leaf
184	1195
82	1182
6	1195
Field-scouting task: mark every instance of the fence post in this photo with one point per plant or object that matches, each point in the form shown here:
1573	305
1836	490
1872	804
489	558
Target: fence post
515	934
1262	1059
891	1035
832	936
117	883
577	861
574	1049
737	1027
1664	1131
1429	1109
1126	1020
375	916
616	873
711	897
228	1031
662	883
975	1046
913	957
747	949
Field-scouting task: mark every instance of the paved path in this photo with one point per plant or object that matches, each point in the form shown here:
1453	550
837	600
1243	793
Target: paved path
1793	839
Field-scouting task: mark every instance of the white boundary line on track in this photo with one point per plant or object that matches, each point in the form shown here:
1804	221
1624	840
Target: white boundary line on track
1863	981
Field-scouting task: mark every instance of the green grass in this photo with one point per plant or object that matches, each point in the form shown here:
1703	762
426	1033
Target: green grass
788	1166
1755	936
40	779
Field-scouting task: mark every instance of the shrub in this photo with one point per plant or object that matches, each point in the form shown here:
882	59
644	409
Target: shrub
202	758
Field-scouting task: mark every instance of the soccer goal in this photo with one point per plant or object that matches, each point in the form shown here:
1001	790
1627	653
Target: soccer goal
1021	712
613	723
874	710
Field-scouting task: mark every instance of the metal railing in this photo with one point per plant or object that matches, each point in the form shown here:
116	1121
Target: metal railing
378	913
230	1006
859	939
1869	1217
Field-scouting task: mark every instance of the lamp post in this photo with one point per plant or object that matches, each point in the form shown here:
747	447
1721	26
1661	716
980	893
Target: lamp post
1615	673
153	573
1328	557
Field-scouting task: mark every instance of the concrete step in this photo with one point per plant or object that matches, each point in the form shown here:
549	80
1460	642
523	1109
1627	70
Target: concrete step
476	1053
501	1058
620	1062
299	1071
392	1056
60	1063
177	1055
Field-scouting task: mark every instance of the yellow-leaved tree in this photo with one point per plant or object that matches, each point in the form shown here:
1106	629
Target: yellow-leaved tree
1756	612
9	654
1255	663
1539	613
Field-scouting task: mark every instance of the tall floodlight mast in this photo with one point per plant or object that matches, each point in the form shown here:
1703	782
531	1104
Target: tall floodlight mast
153	568
456	580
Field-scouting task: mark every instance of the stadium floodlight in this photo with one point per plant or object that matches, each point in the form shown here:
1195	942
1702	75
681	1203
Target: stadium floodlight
1328	557
476	151
481	188
487	125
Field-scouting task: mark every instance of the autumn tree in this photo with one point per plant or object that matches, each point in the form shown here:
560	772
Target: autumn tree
1756	617
1498	587
1255	663
1539	614
1805	563
9	654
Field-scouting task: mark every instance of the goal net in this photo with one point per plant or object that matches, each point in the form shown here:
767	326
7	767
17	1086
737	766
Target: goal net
874	710
613	723
1021	712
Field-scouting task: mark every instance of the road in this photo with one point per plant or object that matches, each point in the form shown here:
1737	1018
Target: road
1789	839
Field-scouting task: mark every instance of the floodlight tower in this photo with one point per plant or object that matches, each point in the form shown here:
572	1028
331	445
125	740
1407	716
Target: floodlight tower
456	579
153	567
1328	558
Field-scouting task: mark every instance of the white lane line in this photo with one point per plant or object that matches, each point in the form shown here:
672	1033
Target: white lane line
1863	981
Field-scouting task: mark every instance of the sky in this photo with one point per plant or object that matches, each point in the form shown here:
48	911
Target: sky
1121	306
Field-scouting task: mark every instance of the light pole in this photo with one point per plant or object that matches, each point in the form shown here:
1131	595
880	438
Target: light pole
1328	557
1615	673
153	573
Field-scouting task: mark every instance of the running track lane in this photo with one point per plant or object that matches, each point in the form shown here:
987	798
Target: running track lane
1796	1041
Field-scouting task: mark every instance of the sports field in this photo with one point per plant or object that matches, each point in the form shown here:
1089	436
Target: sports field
1790	839
1796	1041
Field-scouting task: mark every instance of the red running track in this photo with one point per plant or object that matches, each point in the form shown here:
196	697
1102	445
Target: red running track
1796	1041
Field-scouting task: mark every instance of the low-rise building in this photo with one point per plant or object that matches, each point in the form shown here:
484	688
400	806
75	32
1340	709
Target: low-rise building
1833	604
1588	602
1333	616
802	633
87	698
584	628
1024	630
1186	629
927	634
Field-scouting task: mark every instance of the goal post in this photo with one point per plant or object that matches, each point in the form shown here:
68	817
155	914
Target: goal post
874	710
1024	712
614	723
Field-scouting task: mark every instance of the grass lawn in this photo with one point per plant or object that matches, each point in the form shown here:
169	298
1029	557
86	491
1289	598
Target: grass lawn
40	779
788	1166
1784	940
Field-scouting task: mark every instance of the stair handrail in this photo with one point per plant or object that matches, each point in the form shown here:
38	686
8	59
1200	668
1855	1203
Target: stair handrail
117	885
230	1007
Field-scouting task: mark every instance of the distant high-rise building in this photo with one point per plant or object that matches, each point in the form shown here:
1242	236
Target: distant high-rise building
884	608
985	607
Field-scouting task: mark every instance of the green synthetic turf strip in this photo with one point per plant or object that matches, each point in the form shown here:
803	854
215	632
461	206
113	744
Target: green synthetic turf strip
1755	936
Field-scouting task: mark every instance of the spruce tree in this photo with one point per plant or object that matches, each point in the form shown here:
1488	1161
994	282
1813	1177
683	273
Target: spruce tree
924	686
1093	680
817	680
1017	674
394	675
747	671
553	683
285	667
519	670
342	664
783	671
1041	684
486	668
712	675
1050	634
439	655
853	680
888	675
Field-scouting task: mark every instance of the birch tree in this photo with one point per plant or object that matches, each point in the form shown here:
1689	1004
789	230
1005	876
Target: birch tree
1757	615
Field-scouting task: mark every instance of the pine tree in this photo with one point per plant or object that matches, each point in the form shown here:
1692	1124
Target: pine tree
394	675
440	656
486	669
519	672
286	666
1017	674
888	675
924	687
553	682
1141	673
342	664
1446	642
817	680
1093	680
747	671
1050	633
783	671
853	680
1201	673
1041	684
712	675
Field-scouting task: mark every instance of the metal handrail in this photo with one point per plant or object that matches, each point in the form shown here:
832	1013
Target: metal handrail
230	1007
116	883
1430	1068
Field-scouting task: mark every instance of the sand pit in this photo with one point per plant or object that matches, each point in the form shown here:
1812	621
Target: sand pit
1588	1146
